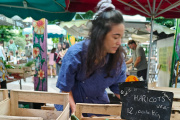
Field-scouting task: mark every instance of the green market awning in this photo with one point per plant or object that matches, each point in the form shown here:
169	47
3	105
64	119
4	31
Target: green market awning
37	9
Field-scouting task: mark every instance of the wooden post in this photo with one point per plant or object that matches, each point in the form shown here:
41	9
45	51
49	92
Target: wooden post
40	54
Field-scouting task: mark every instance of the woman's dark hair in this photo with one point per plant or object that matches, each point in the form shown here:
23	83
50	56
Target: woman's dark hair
53	50
67	45
102	24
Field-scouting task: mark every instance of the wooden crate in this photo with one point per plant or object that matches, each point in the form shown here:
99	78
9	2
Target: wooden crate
109	109
3	94
115	109
10	110
22	61
23	72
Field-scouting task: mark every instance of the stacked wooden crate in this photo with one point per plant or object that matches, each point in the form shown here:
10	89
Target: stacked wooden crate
20	72
10	109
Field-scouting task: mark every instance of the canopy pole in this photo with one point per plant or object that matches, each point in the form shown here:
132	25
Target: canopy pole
150	44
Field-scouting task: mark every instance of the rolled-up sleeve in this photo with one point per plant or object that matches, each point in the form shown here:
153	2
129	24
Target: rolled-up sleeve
70	65
121	78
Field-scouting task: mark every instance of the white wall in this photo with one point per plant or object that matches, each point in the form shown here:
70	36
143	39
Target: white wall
164	55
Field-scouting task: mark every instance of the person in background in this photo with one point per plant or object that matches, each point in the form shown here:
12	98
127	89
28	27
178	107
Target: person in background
2	53
138	58
11	56
57	58
29	50
92	65
51	61
12	47
64	50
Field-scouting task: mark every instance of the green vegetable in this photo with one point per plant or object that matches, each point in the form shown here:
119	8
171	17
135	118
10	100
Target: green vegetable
9	66
28	64
73	117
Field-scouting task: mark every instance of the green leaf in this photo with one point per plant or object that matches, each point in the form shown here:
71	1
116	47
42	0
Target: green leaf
35	75
43	79
42	61
38	46
37	88
39	35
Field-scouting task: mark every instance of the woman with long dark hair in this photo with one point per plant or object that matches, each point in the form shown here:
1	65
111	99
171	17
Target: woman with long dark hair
91	66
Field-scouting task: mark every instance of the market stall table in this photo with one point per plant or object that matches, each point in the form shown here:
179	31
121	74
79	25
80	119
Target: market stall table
19	73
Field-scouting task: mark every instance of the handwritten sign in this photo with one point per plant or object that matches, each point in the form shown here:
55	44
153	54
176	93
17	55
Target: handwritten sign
137	84
144	104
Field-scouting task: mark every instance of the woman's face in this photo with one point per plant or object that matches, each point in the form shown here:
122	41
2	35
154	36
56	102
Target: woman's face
59	46
113	38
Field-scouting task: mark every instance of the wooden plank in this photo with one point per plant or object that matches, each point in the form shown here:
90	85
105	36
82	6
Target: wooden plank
176	105
27	69
176	91
65	114
100	118
175	117
108	109
47	108
45	114
3	94
19	118
42	97
167	89
5	107
15	70
14	103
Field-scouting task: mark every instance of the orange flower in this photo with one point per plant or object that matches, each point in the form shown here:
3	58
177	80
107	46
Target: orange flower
41	74
35	52
39	26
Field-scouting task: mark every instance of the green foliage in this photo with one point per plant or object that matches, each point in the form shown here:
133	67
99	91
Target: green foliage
163	21
73	117
20	41
78	40
7	66
6	32
55	40
87	15
28	64
53	22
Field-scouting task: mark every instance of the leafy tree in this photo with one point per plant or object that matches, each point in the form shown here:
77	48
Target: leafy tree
87	15
5	33
53	22
20	41
55	41
164	21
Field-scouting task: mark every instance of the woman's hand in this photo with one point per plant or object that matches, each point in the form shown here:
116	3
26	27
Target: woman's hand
117	95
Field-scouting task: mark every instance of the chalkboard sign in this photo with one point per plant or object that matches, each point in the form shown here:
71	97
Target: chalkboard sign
136	84
144	104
